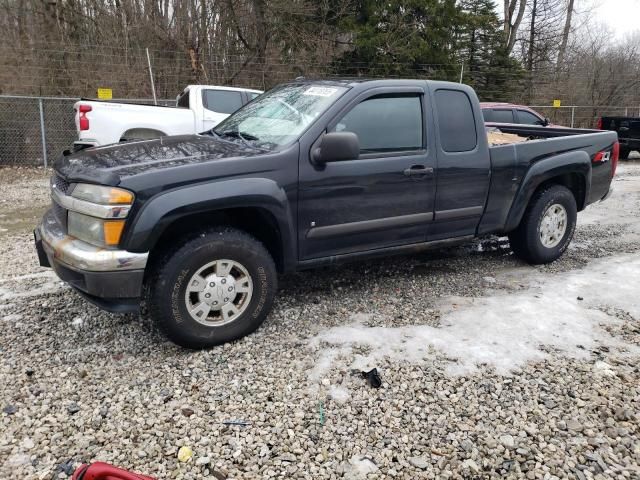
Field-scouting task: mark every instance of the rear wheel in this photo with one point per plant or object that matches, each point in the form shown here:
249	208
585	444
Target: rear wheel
217	287
547	226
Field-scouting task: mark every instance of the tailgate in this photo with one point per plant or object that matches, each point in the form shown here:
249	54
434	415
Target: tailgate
629	128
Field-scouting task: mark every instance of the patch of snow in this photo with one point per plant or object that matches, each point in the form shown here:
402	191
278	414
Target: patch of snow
43	289
622	201
359	467
603	368
339	394
77	322
505	331
12	317
324	363
47	274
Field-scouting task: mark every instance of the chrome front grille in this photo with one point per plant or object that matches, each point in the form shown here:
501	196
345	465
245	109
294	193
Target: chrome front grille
60	184
60	214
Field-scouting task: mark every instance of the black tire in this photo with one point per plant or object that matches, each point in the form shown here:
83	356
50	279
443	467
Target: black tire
167	287
525	240
624	153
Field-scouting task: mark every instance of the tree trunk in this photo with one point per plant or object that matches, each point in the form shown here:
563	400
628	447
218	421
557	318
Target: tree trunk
532	35
565	35
512	21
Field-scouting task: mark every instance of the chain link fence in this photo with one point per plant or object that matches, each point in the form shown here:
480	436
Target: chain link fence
36	130
583	116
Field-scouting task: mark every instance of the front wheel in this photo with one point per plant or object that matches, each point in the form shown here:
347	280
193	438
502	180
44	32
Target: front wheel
547	226
217	287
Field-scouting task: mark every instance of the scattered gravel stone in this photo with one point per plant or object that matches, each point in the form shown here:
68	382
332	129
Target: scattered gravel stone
508	441
574	425
555	416
419	462
73	408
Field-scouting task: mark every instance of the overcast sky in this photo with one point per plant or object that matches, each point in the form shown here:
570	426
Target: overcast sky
623	16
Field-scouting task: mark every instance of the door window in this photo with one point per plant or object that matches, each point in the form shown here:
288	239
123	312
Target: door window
221	101
498	115
528	118
386	123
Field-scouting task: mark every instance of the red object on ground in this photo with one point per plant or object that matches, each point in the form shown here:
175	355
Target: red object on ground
104	471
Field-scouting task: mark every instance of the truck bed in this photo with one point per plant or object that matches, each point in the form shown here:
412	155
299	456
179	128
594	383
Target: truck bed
510	163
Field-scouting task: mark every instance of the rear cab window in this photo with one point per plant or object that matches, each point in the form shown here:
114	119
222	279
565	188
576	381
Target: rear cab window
386	123
183	99
456	121
222	101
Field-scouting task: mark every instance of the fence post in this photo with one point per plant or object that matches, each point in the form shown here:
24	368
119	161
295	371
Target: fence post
573	115
42	133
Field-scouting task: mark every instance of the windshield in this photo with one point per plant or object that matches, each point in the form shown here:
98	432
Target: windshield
279	116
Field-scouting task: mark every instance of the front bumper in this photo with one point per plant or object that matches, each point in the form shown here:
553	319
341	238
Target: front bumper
111	279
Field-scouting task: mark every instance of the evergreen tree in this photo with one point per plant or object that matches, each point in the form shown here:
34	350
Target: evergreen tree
482	50
401	38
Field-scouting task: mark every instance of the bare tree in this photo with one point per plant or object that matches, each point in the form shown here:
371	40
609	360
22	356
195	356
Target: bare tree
565	34
512	20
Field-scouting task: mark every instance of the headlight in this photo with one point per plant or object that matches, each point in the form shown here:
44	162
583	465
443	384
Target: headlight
105	233
102	195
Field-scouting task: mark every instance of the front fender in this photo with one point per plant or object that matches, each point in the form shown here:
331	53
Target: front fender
575	162
163	209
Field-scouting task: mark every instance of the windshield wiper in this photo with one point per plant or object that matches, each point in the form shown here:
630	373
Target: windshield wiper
244	136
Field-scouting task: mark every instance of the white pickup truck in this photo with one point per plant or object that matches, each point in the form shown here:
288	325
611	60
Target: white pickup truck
198	108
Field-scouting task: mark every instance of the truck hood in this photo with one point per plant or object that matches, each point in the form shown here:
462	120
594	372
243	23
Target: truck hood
109	164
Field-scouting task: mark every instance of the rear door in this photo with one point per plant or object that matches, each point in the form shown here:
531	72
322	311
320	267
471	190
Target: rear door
463	164
219	104
383	198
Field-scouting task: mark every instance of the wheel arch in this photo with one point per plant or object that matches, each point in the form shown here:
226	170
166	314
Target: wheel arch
141	133
256	206
256	221
571	170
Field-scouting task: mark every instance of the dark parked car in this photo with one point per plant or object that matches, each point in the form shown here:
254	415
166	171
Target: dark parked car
509	113
308	174
628	129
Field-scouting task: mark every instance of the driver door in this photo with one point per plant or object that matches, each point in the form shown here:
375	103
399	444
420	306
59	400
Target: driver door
383	198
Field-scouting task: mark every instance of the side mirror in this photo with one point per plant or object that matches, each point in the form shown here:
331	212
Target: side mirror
336	147
546	122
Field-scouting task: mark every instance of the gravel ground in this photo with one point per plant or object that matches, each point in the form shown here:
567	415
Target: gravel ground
78	384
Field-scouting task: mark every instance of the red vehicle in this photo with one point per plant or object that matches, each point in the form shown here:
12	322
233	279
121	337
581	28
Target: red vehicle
509	113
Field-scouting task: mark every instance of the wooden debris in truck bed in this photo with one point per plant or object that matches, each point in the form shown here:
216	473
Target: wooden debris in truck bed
496	137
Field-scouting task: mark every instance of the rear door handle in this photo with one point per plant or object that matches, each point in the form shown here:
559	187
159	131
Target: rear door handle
418	170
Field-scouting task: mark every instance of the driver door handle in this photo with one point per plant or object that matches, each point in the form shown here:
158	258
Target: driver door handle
418	170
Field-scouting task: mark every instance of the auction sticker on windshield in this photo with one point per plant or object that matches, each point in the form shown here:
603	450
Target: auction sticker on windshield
320	91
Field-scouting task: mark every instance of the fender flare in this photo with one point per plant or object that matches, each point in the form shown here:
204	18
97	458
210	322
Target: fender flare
162	210
574	162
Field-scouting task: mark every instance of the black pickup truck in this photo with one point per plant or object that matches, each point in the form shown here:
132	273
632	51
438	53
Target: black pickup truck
310	173
628	130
